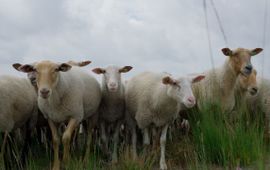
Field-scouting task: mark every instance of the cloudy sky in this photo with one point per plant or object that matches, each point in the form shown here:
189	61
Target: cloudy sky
154	35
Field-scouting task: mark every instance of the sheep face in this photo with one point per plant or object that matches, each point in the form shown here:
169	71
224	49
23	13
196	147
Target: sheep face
180	89
112	76
31	75
249	83
240	59
46	74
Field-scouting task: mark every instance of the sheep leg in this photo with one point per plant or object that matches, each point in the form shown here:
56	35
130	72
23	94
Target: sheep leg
155	139
72	124
104	139
146	138
162	162
115	143
55	138
4	143
134	143
88	128
2	150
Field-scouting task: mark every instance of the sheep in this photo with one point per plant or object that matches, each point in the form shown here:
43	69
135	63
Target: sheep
219	84
112	107
263	98
65	94
18	107
156	99
41	121
246	86
256	96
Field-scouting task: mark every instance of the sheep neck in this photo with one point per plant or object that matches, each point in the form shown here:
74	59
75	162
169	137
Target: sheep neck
229	77
58	92
163	101
107	95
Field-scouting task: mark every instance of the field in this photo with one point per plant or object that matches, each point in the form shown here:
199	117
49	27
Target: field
215	141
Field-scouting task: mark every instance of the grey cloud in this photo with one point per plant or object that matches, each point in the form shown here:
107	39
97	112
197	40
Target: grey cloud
150	35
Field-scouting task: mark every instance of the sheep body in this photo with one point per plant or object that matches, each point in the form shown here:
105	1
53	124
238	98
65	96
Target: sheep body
76	95
261	100
218	86
112	107
18	103
156	99
147	101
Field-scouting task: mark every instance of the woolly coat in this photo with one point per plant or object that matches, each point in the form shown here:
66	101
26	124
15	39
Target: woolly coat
76	95
147	101
18	103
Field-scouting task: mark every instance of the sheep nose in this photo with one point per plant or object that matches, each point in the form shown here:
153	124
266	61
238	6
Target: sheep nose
255	89
112	84
44	92
191	100
249	67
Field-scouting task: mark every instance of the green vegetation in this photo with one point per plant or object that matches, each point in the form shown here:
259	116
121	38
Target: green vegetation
216	140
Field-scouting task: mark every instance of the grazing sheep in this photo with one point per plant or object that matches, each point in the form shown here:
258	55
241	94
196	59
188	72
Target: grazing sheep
219	83
156	99
112	107
65	94
18	106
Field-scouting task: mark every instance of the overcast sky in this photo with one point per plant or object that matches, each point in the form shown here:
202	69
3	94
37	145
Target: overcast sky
154	35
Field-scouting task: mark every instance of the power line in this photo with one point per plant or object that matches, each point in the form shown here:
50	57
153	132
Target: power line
264	33
219	22
208	33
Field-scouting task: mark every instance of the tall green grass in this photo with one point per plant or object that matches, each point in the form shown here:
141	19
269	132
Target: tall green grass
228	140
216	139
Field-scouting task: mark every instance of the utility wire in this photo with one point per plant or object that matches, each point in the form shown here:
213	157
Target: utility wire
219	22
264	33
208	33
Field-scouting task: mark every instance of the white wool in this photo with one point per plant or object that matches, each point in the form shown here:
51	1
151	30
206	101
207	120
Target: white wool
17	103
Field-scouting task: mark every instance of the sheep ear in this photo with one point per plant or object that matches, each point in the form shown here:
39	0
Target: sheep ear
167	80
16	66
227	51
255	72
198	78
125	69
99	71
27	68
64	67
255	51
84	63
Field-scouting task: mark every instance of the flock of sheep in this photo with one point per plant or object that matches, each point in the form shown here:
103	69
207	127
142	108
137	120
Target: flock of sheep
63	93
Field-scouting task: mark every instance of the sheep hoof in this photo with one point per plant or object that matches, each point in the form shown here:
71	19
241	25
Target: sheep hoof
114	158
56	166
163	166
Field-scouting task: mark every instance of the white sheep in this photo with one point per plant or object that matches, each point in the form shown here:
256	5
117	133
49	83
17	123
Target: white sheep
246	87
112	107
65	94
256	96
41	121
263	98
18	105
219	83
156	98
